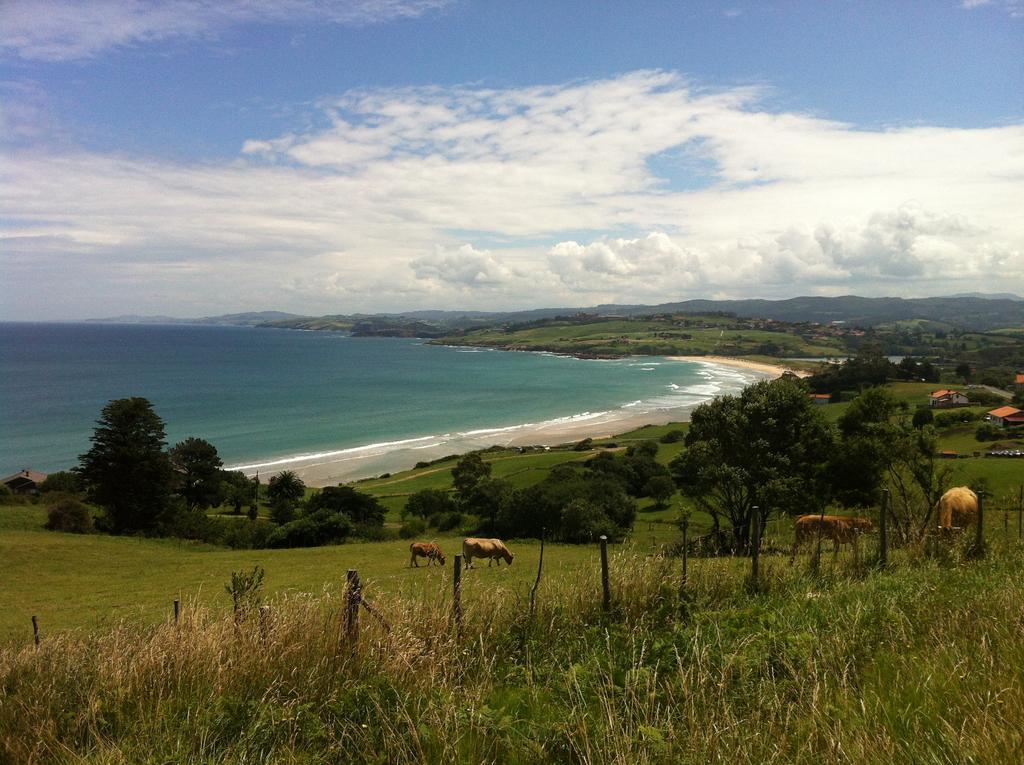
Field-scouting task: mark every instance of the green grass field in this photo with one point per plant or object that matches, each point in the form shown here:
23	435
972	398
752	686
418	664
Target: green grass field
627	337
72	581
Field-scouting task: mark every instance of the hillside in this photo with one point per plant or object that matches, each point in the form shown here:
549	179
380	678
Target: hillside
965	312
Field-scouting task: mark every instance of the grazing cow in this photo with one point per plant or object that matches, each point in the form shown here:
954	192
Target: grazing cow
957	508
492	549
427	550
840	529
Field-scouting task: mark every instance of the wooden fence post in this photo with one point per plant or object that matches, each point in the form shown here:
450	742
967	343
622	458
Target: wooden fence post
883	531
979	533
686	552
606	590
457	594
755	547
1020	513
540	567
35	630
352	597
177	611
264	622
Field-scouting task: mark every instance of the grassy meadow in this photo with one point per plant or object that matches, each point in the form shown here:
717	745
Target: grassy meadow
921	663
841	662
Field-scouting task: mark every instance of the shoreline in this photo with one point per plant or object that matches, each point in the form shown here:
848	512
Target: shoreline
737	362
346	465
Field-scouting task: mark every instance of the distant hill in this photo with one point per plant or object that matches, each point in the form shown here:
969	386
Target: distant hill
969	312
975	311
249	319
988	295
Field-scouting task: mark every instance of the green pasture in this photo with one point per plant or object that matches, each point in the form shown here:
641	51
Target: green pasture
72	581
649	337
86	581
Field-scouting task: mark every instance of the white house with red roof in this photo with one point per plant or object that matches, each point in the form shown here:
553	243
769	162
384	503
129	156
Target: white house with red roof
942	399
1005	416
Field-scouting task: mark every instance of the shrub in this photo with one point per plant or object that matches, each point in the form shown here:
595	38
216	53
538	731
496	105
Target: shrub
447	521
243	535
412	528
369	532
673	436
428	502
923	417
585	445
63	481
318	528
69	515
988	432
282	510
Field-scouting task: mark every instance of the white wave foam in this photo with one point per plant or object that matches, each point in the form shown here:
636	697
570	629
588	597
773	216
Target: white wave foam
487	431
355	452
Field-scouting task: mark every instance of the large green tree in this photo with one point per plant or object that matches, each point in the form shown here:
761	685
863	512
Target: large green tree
127	472
764	448
198	468
284	492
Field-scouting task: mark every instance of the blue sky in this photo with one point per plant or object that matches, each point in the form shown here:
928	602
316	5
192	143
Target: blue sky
202	157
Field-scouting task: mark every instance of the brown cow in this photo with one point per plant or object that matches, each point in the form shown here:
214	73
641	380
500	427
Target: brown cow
840	529
427	550
492	549
957	508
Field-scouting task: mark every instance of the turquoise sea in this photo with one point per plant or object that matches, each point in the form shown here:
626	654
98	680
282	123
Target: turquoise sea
271	399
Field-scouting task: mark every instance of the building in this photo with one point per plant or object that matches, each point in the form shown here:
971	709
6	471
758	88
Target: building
943	399
1006	416
25	482
821	398
1018	382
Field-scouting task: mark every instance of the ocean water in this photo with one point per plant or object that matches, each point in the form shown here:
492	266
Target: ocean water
271	399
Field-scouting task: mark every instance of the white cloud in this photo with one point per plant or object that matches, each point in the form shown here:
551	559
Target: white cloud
1013	7
60	30
462	267
630	265
484	198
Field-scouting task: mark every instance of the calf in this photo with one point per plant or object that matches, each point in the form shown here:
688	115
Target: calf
840	529
427	550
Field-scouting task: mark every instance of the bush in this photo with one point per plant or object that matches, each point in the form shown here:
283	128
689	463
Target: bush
313	530
368	532
71	516
243	535
428	502
584	521
585	445
988	432
447	521
63	481
282	510
923	417
412	528
956	417
673	436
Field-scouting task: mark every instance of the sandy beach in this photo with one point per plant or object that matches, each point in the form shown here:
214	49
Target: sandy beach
327	469
773	370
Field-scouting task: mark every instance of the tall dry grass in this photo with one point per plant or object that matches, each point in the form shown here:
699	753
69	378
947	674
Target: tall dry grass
924	663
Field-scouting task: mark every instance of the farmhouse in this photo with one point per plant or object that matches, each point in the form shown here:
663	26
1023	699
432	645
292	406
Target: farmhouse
943	399
1006	416
24	482
821	398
